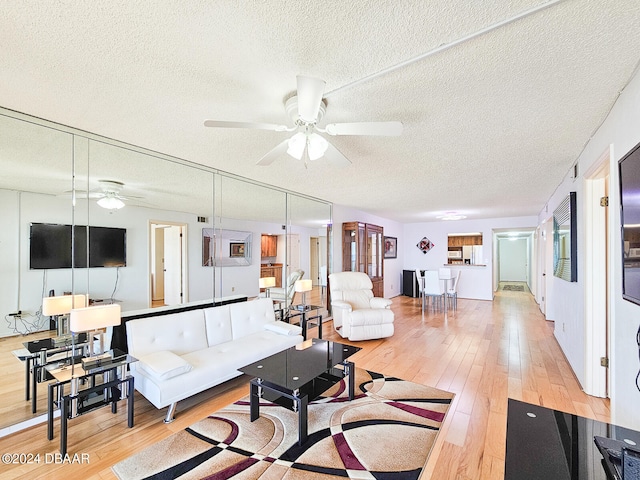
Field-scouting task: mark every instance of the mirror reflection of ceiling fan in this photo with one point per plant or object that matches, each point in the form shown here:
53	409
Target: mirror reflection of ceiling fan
306	109
109	194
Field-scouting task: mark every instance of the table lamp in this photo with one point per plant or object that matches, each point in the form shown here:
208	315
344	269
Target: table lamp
60	307
91	319
267	283
303	286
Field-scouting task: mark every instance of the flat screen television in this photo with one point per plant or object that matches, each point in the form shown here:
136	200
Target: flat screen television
629	175
50	246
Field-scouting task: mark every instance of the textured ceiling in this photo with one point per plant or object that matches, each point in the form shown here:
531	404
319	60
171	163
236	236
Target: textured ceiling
491	125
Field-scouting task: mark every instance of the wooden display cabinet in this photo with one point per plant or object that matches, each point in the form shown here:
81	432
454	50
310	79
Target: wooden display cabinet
363	251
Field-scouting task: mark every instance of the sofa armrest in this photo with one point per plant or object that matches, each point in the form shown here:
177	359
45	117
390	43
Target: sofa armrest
379	302
342	305
283	328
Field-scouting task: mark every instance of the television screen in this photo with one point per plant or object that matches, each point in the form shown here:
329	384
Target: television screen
629	175
50	246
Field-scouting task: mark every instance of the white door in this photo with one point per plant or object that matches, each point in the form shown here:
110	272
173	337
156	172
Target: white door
173	265
158	267
543	239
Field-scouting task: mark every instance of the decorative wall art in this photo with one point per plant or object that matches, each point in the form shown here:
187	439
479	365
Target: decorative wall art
390	247
425	245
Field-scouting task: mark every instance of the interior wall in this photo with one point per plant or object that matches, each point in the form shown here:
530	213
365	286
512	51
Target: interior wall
475	282
131	283
565	300
513	259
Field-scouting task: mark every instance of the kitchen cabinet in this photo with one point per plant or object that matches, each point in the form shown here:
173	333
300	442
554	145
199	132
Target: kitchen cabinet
274	270
462	240
268	245
363	251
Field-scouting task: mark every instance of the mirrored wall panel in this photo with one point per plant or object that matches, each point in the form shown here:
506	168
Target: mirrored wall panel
119	224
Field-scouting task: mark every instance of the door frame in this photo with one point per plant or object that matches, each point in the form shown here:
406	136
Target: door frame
597	285
152	225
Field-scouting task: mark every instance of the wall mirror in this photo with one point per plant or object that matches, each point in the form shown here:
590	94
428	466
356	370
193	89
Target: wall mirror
56	175
565	237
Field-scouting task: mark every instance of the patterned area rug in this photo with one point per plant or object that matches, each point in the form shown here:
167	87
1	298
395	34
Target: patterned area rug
386	432
514	288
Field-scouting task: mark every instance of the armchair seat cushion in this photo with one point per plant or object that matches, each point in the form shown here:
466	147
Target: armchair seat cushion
371	316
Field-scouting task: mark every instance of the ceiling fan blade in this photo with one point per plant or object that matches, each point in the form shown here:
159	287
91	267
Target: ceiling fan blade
274	153
310	91
336	157
258	126
388	129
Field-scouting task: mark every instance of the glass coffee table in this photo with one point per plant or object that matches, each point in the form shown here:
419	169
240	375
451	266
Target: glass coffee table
298	375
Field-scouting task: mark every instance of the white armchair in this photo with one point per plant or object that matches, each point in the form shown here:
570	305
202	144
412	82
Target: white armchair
357	314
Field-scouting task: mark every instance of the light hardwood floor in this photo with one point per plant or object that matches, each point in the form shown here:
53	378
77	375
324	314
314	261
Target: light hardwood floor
485	352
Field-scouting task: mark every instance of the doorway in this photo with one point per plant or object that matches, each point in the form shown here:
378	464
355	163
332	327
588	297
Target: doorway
167	266
515	257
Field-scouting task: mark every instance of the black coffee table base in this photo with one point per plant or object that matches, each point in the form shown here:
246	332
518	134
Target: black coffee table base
297	400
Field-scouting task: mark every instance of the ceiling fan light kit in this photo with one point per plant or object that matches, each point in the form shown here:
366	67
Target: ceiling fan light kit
306	109
110	203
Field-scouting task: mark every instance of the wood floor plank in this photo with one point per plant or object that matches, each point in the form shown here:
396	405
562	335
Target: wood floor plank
485	352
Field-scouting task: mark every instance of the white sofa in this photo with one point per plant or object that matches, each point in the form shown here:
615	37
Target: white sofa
185	353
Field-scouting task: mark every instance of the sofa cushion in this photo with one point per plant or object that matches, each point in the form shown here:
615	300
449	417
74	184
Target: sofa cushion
179	332
250	317
218	324
163	365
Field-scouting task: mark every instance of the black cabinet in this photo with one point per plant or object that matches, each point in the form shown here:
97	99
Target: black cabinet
410	286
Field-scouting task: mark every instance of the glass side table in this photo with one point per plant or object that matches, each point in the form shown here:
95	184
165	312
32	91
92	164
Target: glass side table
108	382
309	315
49	351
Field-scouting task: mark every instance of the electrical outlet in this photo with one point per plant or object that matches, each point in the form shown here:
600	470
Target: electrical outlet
233	289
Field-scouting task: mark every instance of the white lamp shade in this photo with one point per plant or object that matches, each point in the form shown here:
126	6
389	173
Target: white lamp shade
303	285
111	203
316	147
297	143
93	318
267	282
62	304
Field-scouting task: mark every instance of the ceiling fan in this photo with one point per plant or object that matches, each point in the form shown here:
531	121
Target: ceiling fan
306	109
108	194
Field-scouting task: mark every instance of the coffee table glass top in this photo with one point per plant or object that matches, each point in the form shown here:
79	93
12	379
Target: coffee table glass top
296	366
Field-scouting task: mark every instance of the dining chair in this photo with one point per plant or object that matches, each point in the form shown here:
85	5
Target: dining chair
446	276
420	280
433	288
452	292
